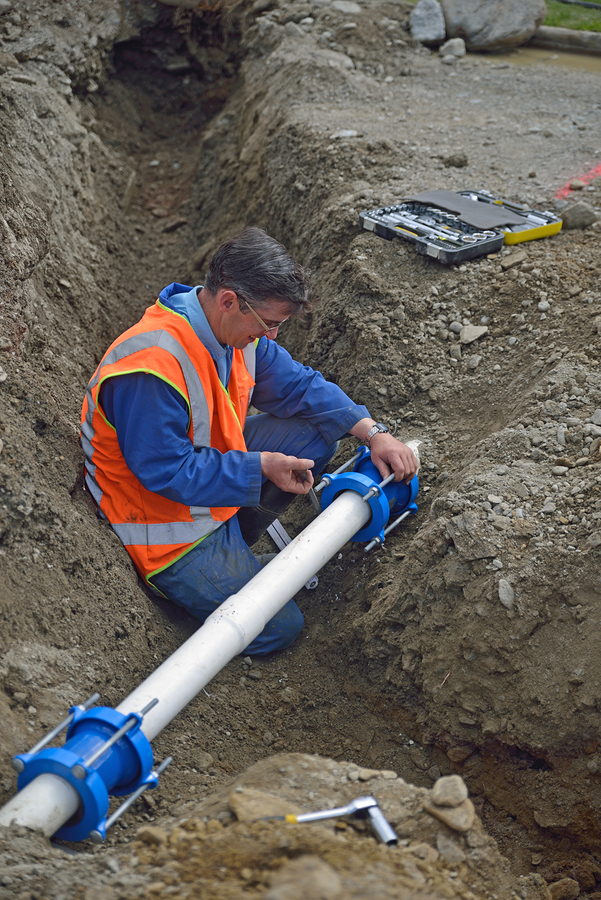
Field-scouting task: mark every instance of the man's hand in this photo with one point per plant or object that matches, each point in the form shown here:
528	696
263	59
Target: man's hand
287	472
387	454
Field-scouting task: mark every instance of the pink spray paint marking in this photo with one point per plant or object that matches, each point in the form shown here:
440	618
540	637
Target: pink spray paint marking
587	177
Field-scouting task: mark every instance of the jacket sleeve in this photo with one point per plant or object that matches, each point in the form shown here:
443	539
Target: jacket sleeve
151	420
286	388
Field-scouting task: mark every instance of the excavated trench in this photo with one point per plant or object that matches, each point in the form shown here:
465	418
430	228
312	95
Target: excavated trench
191	127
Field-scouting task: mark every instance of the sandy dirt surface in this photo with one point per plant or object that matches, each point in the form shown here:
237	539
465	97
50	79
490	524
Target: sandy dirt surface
134	139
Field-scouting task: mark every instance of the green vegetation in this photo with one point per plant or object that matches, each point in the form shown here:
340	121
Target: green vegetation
566	15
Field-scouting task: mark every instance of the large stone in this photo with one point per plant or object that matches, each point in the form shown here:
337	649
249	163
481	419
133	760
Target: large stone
427	22
459	818
249	804
490	25
579	215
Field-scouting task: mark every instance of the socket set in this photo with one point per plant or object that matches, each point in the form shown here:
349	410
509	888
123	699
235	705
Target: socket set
435	232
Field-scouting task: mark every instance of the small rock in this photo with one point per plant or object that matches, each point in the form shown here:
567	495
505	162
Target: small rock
596	417
7	60
449	60
492	498
455	352
5	6
593	541
426	22
564	889
471	333
388	774
3	375
514	259
306	876
579	215
559	470
174	224
460	818
593	766
424	851
577	185
345	133
347	6
454	47
450	790
449	850
506	594
367	774
455	327
295	31
150	834
456	160
544	306
203	760
474	361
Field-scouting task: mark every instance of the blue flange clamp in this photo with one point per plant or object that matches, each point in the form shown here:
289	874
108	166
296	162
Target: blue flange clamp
123	767
394	497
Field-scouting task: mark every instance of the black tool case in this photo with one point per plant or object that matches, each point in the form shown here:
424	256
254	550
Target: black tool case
435	232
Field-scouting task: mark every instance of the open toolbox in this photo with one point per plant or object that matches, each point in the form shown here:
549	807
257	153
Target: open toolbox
453	227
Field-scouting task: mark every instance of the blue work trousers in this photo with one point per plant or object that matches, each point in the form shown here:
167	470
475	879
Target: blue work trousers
222	563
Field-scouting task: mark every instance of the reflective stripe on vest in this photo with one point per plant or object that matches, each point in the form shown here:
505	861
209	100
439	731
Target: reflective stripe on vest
250	358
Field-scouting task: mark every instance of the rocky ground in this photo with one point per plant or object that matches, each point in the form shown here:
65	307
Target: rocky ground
134	139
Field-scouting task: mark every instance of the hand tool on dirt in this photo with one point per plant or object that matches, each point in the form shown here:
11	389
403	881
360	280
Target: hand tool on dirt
361	808
281	539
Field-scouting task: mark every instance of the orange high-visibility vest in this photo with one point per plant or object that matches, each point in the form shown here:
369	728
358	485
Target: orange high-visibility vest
156	531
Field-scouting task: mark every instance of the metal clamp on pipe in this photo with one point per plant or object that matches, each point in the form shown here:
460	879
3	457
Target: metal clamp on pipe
105	753
385	497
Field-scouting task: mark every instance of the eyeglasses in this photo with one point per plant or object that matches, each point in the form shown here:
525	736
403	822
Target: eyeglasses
266	328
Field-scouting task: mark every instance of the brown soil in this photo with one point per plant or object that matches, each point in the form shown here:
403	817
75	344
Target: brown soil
126	160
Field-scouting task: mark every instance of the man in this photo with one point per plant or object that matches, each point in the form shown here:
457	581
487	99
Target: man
187	482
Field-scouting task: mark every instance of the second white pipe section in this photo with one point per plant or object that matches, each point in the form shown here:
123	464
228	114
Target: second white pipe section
48	801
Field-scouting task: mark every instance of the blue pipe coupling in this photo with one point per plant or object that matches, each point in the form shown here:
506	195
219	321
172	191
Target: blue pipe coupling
105	754
384	500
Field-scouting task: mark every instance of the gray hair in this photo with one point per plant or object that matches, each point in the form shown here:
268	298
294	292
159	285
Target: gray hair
260	269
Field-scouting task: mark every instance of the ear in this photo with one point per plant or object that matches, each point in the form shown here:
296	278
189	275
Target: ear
226	299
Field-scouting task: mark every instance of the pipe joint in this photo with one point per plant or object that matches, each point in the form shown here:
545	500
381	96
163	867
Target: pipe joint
105	754
383	496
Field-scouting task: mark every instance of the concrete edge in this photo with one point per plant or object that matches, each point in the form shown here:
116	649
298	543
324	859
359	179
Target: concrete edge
566	39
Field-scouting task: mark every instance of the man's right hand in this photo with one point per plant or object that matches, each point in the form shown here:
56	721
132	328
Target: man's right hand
287	472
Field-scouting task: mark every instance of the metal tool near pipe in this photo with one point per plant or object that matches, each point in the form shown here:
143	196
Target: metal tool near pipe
65	791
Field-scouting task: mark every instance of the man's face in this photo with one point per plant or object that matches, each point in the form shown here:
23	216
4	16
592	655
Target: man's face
243	326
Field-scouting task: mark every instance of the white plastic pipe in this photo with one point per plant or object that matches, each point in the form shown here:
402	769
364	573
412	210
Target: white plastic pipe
48	801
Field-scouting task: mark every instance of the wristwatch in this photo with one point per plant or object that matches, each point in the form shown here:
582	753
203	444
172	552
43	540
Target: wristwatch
374	430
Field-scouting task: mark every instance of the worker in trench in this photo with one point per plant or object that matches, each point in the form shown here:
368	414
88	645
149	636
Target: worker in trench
189	482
